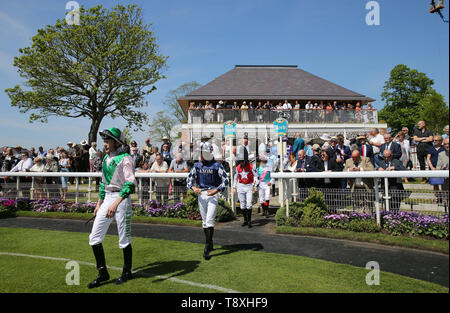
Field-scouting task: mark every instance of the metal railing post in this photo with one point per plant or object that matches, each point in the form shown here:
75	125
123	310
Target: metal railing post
76	189
377	201
295	189
89	190
386	191
32	188
17	187
150	191
140	191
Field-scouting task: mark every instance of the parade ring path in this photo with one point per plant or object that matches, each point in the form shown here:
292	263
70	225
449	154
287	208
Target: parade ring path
423	265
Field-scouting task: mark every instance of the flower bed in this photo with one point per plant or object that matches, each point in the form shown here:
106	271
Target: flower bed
151	209
395	223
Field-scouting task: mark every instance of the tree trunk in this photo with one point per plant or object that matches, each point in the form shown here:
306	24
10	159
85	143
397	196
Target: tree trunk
94	130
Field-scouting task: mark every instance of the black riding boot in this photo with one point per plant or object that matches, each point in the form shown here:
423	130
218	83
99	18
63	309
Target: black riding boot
207	243
127	265
211	235
244	214
266	209
249	218
101	266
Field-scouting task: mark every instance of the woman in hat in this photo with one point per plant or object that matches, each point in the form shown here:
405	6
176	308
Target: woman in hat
118	183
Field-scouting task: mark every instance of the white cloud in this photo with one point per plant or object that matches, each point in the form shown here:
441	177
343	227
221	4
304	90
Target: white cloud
11	26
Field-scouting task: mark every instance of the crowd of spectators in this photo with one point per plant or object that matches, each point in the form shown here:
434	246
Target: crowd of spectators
300	111
376	150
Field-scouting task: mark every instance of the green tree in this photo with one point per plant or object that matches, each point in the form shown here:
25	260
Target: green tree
103	67
402	93
434	111
162	125
171	99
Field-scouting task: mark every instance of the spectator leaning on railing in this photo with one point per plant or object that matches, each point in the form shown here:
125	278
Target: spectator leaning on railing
389	163
161	184
357	163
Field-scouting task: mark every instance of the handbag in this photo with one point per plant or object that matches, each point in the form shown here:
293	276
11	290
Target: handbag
436	180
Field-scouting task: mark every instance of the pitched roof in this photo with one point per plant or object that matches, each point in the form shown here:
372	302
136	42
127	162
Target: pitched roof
256	82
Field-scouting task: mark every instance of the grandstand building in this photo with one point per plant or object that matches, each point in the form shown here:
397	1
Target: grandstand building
311	98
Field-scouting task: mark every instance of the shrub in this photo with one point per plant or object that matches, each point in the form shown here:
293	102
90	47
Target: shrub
224	211
312	216
368	226
314	209
280	216
7	208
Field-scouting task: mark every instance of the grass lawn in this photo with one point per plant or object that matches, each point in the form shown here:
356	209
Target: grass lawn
135	219
171	266
436	245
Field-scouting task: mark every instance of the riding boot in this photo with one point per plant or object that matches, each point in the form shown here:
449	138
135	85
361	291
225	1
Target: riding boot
103	274
127	264
211	235
244	214
249	218
206	250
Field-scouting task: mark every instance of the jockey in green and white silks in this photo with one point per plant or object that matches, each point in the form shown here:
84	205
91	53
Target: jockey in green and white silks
264	182
118	182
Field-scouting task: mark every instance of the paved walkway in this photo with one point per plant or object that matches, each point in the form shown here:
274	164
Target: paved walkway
428	266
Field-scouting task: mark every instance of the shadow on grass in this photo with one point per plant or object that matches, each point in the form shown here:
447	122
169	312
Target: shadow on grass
167	269
237	247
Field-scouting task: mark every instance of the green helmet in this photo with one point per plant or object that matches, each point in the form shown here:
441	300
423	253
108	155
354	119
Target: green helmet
113	133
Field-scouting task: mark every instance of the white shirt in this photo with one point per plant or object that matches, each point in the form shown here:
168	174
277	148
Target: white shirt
92	153
23	166
377	139
287	106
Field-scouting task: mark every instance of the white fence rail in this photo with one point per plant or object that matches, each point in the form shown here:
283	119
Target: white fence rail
146	188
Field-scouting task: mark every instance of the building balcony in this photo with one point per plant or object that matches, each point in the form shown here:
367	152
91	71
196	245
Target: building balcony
294	116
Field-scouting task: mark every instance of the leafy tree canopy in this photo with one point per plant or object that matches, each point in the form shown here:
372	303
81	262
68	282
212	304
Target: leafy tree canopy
103	67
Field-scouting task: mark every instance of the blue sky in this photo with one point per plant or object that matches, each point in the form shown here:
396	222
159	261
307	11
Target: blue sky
206	38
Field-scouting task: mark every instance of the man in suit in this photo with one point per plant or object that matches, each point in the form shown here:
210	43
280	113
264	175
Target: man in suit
304	164
365	149
361	188
359	163
394	147
388	163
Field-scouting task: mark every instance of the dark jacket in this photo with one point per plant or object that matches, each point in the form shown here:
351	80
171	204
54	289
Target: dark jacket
394	183
396	150
309	166
369	153
332	166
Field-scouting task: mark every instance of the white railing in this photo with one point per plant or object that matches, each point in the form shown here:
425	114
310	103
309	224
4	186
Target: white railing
282	178
375	175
